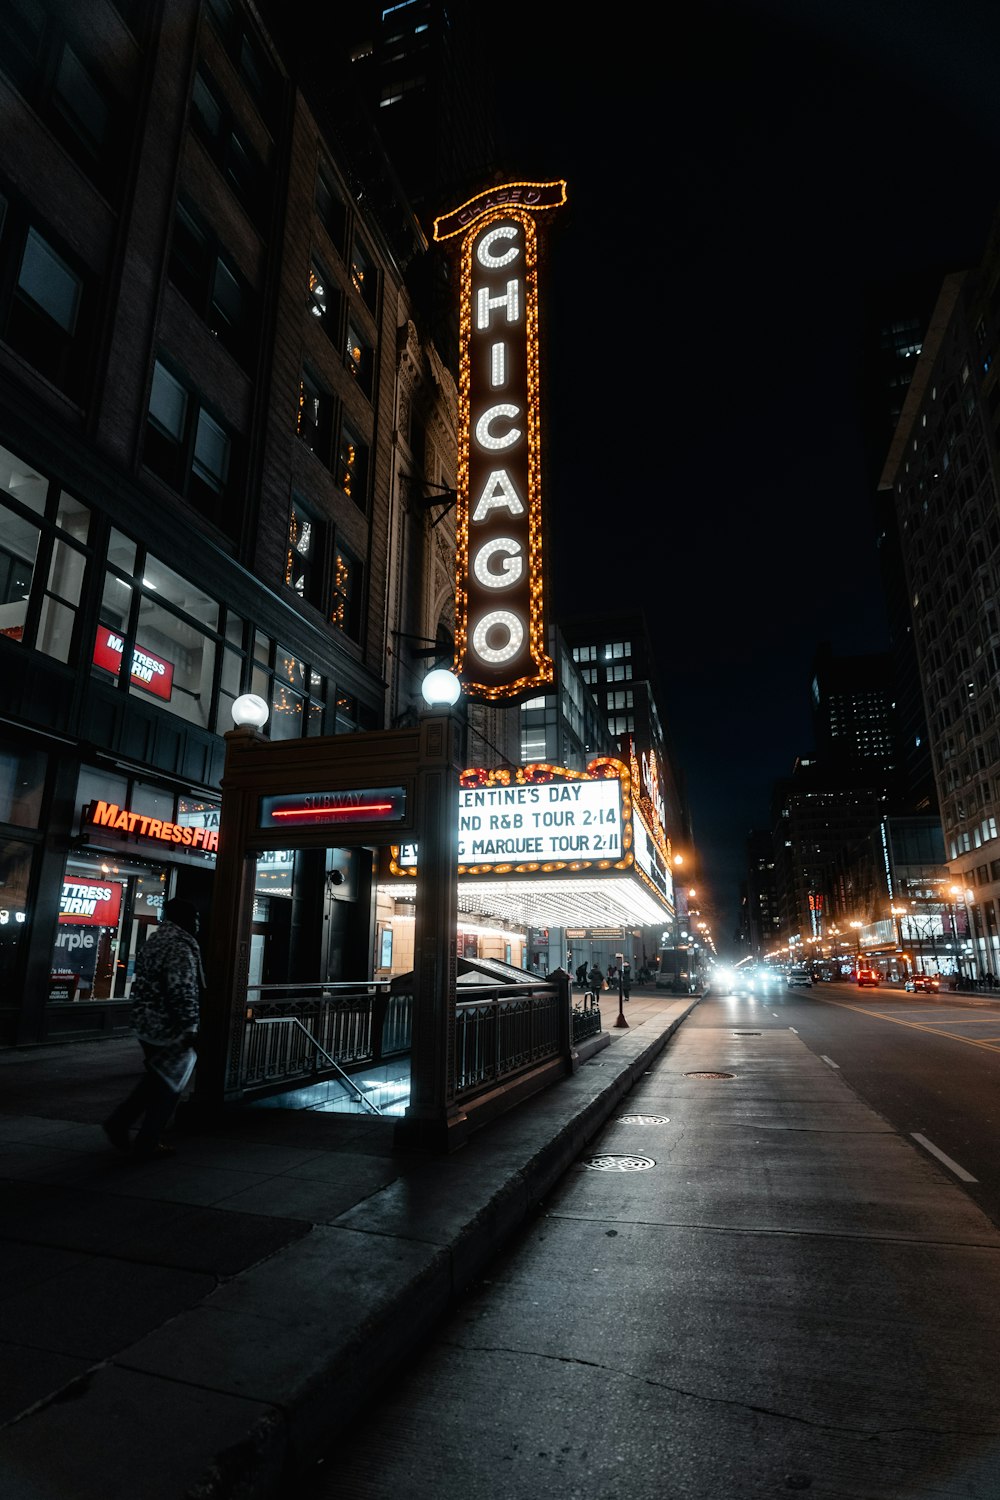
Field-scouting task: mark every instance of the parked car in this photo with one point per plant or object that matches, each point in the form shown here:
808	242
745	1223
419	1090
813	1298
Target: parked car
926	983
865	975
799	976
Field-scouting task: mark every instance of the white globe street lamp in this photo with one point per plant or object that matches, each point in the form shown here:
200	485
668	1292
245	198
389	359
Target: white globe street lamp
250	712
441	688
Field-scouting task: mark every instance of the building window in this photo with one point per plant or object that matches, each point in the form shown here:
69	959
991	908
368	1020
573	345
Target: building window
65	88
330	208
314	418
363	276
352	467
47	316
212	122
346	593
360	359
210	281
43	559
296	693
303	568
166	641
185	445
323	300
246	54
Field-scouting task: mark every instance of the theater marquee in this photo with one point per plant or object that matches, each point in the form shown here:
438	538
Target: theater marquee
500	627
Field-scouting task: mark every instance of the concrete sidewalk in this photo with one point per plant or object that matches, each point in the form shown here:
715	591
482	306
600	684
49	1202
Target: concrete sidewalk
204	1326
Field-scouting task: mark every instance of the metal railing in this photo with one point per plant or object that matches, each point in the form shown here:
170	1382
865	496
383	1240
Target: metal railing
342	1077
347	1025
586	1016
295	1033
505	1030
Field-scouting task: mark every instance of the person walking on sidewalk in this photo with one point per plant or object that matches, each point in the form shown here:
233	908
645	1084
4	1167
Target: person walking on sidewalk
166	997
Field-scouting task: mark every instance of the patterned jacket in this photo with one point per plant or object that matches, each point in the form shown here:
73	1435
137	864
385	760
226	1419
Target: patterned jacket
167	988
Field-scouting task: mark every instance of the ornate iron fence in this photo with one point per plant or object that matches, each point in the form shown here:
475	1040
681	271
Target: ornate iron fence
347	1025
505	1030
313	1030
586	1016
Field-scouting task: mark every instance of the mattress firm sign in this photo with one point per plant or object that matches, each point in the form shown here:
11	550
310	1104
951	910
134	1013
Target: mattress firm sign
558	821
500	629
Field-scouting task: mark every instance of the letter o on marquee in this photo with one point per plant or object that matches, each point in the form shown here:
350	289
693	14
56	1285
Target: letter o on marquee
515	636
512	565
484	437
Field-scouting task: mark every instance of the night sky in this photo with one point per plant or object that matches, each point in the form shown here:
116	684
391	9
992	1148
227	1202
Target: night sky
741	175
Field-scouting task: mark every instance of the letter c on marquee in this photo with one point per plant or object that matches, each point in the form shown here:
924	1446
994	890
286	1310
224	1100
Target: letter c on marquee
484	250
485	438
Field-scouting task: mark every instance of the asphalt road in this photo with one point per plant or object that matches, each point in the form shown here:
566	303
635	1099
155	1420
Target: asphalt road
748	1285
931	1068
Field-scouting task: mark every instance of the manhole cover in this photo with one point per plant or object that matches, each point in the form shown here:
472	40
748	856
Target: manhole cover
747	1033
709	1075
643	1119
609	1162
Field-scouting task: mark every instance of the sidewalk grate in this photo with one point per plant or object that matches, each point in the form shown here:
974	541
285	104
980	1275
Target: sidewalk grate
748	1033
643	1119
709	1075
608	1161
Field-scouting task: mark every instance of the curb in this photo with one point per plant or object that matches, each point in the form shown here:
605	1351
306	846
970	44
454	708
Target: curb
283	1446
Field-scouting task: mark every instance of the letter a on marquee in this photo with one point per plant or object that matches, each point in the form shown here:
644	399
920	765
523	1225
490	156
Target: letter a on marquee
498	490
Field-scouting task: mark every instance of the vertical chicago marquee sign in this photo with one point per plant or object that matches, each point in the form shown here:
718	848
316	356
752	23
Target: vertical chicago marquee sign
500	627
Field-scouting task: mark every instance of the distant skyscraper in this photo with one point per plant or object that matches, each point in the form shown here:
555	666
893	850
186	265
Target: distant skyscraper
763	917
615	658
943	471
896	318
420	67
853	715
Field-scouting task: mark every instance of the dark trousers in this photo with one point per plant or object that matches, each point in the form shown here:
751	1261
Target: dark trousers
152	1098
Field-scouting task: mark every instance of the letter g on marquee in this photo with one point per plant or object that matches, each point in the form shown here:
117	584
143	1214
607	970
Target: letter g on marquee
485	438
512	564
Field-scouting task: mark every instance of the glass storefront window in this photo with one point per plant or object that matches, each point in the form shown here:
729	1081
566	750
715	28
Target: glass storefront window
121	551
18	548
15	876
178	591
60	601
20	481
98	786
151	801
173	663
287	699
22	782
229	688
73	517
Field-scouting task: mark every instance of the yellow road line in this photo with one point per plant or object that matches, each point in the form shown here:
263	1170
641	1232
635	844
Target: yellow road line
877	1015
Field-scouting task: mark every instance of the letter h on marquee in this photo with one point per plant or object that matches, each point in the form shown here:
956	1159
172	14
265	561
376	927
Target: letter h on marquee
499	597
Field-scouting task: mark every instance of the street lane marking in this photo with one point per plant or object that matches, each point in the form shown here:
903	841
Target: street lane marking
792	1028
830	1061
936	1151
878	1015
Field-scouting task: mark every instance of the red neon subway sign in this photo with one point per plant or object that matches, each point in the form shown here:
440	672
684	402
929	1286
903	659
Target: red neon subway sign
319	809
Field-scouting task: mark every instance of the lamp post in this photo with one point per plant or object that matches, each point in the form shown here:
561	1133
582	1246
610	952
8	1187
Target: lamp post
955	891
857	943
432	1117
899	912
